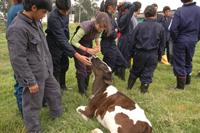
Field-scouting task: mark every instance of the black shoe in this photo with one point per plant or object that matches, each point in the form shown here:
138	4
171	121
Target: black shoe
198	74
131	83
180	82
144	88
188	79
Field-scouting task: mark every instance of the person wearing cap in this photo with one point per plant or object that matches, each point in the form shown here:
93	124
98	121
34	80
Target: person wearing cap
58	41
147	45
111	54
185	33
82	40
32	64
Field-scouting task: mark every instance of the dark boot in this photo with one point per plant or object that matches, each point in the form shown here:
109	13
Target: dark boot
131	82
82	86
63	80
198	74
87	81
123	72
144	88
188	79
120	72
180	82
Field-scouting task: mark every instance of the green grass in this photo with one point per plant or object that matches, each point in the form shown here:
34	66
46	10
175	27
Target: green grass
169	110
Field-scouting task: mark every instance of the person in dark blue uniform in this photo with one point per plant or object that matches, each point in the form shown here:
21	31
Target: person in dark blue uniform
111	54
82	40
166	22
148	42
185	32
57	38
126	26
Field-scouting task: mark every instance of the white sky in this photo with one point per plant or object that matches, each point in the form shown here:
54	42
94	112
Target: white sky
174	4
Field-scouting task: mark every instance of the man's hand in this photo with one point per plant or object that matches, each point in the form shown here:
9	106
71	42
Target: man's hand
84	59
33	88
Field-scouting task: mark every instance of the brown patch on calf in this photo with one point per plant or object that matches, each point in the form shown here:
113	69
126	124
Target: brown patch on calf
108	103
127	125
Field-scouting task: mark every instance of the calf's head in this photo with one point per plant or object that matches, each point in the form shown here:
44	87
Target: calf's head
102	73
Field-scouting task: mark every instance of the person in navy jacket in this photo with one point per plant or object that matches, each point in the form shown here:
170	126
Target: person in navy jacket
185	32
146	46
58	41
111	54
126	26
166	22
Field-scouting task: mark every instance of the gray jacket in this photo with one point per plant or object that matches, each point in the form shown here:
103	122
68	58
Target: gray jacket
28	50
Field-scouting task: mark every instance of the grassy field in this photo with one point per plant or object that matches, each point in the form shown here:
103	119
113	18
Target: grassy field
169	110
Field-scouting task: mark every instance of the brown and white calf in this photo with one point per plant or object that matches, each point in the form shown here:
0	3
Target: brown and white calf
114	110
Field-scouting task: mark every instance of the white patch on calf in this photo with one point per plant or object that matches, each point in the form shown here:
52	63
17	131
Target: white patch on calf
107	66
110	90
108	121
136	114
82	108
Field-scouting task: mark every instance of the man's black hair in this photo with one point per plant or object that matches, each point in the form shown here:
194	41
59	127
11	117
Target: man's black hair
185	1
166	8
63	4
150	11
19	1
40	4
137	6
155	5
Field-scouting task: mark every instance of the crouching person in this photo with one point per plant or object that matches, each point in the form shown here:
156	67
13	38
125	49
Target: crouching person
32	63
147	43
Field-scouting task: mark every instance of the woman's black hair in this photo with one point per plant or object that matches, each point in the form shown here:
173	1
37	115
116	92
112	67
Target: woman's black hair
104	5
63	4
150	11
40	4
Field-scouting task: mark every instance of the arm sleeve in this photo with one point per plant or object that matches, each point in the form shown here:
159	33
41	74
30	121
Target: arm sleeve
124	20
174	26
58	32
77	37
17	46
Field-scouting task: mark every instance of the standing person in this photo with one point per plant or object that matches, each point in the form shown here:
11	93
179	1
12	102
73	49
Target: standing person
137	9
126	23
58	41
12	13
147	44
185	33
160	19
82	40
166	22
14	10
32	63
111	54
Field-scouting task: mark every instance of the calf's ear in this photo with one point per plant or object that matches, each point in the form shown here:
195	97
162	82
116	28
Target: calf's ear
108	78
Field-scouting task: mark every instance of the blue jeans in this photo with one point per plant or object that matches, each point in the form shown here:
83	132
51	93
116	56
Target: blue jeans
18	95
